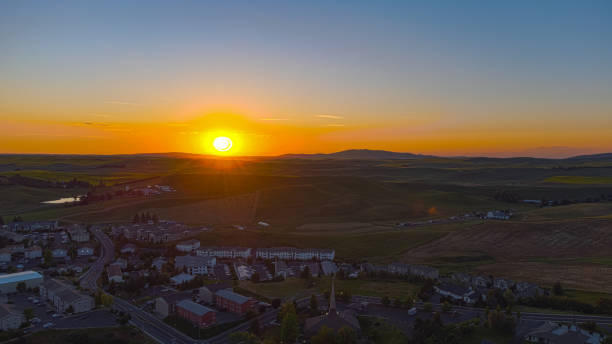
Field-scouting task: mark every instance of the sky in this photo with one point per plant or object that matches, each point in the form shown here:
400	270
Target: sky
528	78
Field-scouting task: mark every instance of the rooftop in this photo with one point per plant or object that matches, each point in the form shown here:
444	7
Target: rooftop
19	277
194	307
230	295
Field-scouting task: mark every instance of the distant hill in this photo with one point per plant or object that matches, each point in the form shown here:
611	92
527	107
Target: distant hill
593	156
358	154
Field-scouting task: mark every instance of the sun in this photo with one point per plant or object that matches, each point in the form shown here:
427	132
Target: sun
222	143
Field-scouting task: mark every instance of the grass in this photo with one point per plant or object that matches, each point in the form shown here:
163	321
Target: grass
578	180
380	332
192	330
295	287
572	211
602	261
124	334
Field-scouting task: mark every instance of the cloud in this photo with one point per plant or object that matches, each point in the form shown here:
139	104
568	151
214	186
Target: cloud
335	125
274	119
118	102
329	116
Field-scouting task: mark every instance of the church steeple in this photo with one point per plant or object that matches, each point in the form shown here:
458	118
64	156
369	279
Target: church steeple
332	298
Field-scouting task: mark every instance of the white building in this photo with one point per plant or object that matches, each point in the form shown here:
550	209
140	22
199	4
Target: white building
291	253
5	255
188	246
181	278
196	265
59	252
114	274
9	282
64	297
224	252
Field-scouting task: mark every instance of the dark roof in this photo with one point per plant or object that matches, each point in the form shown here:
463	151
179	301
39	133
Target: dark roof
194	307
332	320
454	288
230	295
213	288
177	297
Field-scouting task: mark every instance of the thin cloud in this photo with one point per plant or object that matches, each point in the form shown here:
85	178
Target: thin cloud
329	116
335	125
274	119
118	102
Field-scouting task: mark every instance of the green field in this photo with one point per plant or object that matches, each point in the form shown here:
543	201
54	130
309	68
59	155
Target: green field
579	180
296	288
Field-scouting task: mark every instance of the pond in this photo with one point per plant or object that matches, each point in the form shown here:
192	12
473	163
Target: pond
64	200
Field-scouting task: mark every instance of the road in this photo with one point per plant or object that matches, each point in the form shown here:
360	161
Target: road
89	279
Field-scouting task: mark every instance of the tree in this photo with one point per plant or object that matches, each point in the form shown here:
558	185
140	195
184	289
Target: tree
314	303
1	221
324	336
385	300
397	303
243	338
70	309
346	335
255	277
254	327
48	256
558	289
276	303
427	307
446	307
288	308
21	287
28	313
289	328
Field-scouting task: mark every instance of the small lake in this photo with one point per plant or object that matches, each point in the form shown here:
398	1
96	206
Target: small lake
63	200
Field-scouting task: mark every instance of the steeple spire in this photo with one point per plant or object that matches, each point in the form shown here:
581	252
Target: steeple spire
332	298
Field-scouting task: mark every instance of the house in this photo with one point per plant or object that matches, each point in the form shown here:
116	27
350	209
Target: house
499	215
554	333
33	252
5	255
502	284
195	265
199	315
128	249
59	252
9	318
122	263
165	305
462	278
298	267
333	319
64	297
235	303
454	291
207	292
424	271
181	278
78	234
71	300
281	269
158	263
114	274
32	226
224	252
243	271
481	281
328	268
85	251
188	246
292	253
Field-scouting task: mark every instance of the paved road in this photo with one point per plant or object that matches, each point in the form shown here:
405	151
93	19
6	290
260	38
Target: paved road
151	325
89	279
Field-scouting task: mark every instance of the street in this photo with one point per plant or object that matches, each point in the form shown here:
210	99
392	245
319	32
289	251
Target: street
89	279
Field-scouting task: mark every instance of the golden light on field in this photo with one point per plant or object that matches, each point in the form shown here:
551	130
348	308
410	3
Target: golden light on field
222	144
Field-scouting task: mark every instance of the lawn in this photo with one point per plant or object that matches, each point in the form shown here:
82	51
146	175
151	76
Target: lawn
482	333
295	287
123	335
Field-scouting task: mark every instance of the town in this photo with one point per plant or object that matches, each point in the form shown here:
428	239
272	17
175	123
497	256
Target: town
154	275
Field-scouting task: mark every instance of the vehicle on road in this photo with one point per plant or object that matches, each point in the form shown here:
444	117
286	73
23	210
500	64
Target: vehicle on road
56	315
412	311
47	325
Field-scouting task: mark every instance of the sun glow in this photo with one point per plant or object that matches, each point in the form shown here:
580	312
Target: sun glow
222	143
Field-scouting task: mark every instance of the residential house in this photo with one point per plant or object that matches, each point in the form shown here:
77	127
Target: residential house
114	274
181	278
454	291
281	269
243	271
158	263
235	303
5	255
63	296
59	252
128	249
188	246
197	314
165	305
328	268
207	292
121	263
195	265
554	333
84	251
291	253
482	281
499	215
10	319
33	252
78	234
502	284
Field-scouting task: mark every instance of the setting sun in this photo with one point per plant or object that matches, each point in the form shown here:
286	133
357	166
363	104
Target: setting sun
222	144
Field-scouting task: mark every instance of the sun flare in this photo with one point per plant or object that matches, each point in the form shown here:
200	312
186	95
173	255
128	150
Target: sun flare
222	144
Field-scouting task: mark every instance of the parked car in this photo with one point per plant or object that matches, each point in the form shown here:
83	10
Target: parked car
56	315
47	325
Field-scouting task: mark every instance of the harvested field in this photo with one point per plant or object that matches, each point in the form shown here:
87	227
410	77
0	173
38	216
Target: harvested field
519	247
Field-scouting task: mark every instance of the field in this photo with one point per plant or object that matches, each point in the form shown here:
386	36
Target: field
295	288
354	205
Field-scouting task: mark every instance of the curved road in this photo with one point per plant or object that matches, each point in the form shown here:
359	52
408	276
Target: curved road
89	279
